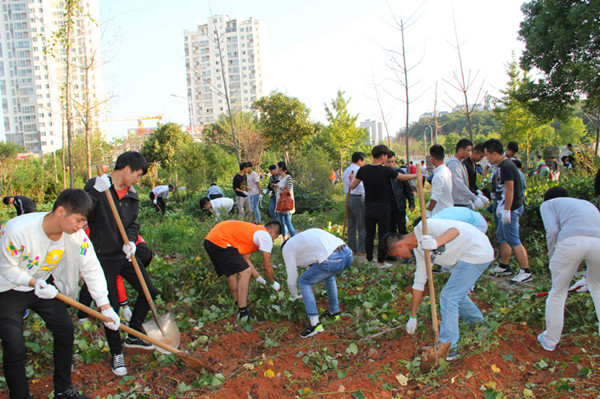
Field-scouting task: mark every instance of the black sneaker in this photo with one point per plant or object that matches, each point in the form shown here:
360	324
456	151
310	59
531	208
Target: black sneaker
245	315
71	394
134	342
312	330
452	354
117	364
328	315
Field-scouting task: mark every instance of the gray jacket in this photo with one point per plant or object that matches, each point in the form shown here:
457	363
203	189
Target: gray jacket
461	194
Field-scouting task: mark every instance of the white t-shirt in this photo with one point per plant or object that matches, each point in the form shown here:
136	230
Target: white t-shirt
471	246
221	207
263	240
305	249
441	188
358	190
253	179
161	191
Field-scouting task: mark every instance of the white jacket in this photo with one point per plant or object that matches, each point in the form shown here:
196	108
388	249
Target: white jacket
24	248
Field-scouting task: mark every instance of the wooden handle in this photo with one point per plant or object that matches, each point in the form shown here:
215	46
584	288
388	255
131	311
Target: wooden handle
436	330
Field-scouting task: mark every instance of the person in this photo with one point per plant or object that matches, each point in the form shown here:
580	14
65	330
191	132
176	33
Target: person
214	192
541	169
220	207
285	181
323	255
114	255
240	187
229	246
571	155
441	185
566	163
423	172
454	245
159	196
461	214
356	205
273	179
378	195
597	185
573	236
44	253
554	169
254	191
412	168
461	193
21	203
512	149
402	193
509	197
471	162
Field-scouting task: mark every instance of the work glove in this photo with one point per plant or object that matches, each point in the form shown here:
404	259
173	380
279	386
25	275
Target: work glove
114	324
428	242
44	290
411	326
261	280
294	298
478	203
129	250
580	286
102	183
260	197
483	199
505	216
155	201
275	286
428	214
126	313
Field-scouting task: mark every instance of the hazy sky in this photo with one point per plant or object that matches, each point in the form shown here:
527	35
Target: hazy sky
312	49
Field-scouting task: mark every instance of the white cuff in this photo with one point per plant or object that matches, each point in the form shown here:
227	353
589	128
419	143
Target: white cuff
102	301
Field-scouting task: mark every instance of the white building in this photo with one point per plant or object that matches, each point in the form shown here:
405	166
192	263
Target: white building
375	131
223	56
32	80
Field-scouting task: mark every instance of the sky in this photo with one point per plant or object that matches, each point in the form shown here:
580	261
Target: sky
312	49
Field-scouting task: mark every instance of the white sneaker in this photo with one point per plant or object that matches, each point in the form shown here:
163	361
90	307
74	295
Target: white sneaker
500	271
544	344
522	277
117	363
82	320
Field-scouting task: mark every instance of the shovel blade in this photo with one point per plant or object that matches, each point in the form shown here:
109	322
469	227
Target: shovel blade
431	355
171	335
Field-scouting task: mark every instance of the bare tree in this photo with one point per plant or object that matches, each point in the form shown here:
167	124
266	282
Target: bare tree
381	111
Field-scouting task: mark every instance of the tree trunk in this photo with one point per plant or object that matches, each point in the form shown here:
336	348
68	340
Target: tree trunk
69	26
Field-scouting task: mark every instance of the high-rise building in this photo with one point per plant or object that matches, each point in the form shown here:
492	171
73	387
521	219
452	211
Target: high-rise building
32	72
223	58
375	131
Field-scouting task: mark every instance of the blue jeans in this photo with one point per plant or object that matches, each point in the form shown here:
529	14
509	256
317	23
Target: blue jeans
454	300
286	224
509	233
255	204
324	271
272	206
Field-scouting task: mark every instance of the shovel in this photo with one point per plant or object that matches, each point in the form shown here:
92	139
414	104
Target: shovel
162	327
193	361
431	354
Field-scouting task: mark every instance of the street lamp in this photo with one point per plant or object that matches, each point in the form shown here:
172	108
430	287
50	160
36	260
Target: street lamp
425	137
190	110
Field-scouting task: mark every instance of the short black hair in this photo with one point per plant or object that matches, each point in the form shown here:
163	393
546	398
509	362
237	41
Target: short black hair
389	240
242	165
204	201
274	223
379	150
75	200
518	163
555	192
462	144
248	164
171	186
6	199
272	167
134	160
494	145
358	156
513	146
478	148
391	154
437	151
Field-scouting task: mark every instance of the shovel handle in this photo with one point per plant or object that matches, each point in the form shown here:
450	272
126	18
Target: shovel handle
129	330
133	259
436	330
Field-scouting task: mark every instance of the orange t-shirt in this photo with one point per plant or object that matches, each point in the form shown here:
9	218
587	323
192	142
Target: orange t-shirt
237	234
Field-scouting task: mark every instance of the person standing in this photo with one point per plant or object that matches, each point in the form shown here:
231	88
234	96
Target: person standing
21	203
323	255
402	193
441	185
471	163
41	254
573	236
273	179
356	205
423	172
461	193
114	255
160	195
240	187
510	205
285	183
254	191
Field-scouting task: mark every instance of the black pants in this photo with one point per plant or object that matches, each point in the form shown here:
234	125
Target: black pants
377	217
112	268
55	315
161	205
397	220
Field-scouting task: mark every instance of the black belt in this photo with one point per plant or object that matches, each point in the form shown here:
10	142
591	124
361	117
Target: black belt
340	248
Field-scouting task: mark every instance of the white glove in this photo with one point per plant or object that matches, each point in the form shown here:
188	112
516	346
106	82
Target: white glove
483	199
411	326
428	214
260	197
102	183
294	298
580	286
129	250
114	324
428	242
275	286
126	313
44	290
245	193
499	211
155	201
505	216
478	203
261	280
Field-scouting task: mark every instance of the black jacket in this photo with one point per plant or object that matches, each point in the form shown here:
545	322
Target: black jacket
402	192
104	231
23	205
